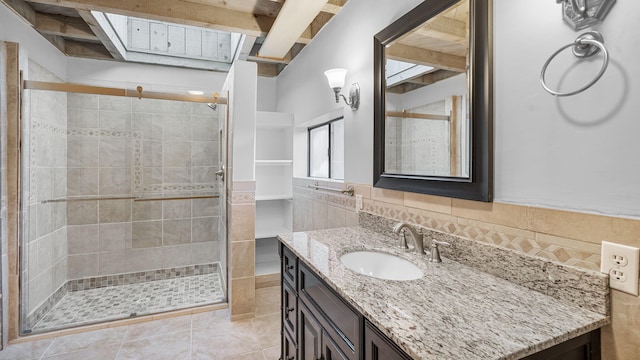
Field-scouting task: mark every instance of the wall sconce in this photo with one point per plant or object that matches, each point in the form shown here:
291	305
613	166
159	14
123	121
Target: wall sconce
336	82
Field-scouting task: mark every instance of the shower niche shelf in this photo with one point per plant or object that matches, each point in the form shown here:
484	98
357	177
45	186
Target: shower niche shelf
274	188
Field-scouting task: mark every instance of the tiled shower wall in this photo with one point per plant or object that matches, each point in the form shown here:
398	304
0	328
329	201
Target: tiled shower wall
44	165
121	146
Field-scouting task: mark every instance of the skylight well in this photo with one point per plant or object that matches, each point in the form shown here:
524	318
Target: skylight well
157	42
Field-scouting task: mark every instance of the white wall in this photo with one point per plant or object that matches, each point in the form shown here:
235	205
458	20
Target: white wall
577	153
267	94
347	41
13	29
150	77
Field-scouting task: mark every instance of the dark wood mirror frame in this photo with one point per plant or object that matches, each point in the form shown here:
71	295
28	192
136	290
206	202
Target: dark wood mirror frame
479	185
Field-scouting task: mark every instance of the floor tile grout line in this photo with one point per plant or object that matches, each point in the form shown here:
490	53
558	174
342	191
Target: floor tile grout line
47	349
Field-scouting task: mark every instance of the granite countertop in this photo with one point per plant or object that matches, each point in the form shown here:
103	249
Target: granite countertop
452	312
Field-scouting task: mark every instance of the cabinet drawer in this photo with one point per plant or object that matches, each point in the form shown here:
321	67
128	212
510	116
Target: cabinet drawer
289	267
339	319
289	308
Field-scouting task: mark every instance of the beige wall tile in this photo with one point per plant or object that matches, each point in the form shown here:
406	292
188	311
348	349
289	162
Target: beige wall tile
146	234
82	212
585	227
176	232
320	215
147	210
621	339
243	259
114	211
364	190
82	181
143	259
495	213
111	262
81	266
82	239
114	181
82	152
428	202
336	217
176	209
115	152
204	229
176	256
387	196
205	253
243	294
569	243
112	236
243	222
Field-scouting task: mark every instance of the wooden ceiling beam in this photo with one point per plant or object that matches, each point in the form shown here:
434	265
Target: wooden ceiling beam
426	57
187	13
434	77
444	28
64	26
268	69
334	6
100	33
86	50
22	9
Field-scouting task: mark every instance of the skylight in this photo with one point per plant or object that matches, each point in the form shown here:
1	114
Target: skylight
400	71
158	42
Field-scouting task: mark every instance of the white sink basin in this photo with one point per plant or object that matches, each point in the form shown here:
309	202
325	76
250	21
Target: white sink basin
381	265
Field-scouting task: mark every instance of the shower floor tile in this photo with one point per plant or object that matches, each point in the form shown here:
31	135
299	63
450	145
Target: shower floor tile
117	302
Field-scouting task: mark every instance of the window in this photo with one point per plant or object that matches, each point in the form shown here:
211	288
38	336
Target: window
326	150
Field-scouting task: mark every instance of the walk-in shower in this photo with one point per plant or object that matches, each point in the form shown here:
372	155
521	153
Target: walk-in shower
123	214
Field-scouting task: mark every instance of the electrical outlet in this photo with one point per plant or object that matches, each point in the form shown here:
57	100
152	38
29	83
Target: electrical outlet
622	263
359	205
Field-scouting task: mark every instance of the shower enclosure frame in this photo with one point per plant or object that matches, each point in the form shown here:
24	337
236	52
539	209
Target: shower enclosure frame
17	324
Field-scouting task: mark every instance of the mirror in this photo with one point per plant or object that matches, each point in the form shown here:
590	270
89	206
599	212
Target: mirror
433	131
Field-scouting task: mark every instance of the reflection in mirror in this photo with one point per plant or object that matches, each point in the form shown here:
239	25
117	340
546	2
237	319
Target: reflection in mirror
427	124
433	114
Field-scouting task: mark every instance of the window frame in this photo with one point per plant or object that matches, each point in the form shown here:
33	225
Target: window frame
329	152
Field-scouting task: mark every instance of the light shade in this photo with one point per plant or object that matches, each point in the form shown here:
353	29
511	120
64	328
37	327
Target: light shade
336	77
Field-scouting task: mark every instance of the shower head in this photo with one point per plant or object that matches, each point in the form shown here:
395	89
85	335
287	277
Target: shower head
212	106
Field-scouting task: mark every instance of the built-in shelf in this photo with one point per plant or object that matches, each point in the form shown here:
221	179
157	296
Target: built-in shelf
274	186
274	197
274	162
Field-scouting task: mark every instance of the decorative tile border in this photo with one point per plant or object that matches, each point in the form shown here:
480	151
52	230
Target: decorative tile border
523	241
583	288
138	277
37	314
116	280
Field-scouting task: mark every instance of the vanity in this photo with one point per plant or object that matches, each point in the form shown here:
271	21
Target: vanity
453	311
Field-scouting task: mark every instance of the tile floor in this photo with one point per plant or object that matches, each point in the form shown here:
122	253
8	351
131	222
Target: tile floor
203	336
120	302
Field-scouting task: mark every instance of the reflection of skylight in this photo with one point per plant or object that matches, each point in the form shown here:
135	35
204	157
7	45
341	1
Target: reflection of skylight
400	71
158	42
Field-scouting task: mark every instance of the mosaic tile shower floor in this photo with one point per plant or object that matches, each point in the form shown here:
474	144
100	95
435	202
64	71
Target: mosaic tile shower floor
117	302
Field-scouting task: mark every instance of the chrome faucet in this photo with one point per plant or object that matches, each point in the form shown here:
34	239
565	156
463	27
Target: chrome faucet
417	236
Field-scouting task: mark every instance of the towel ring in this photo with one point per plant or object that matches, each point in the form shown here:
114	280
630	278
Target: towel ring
586	45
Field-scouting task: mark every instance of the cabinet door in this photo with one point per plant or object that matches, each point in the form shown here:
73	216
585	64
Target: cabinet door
330	350
378	347
289	309
309	336
288	347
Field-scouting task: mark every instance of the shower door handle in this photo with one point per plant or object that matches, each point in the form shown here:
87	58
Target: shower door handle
220	173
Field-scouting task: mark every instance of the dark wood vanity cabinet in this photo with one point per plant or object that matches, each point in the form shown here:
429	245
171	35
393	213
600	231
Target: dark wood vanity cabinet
318	324
378	347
